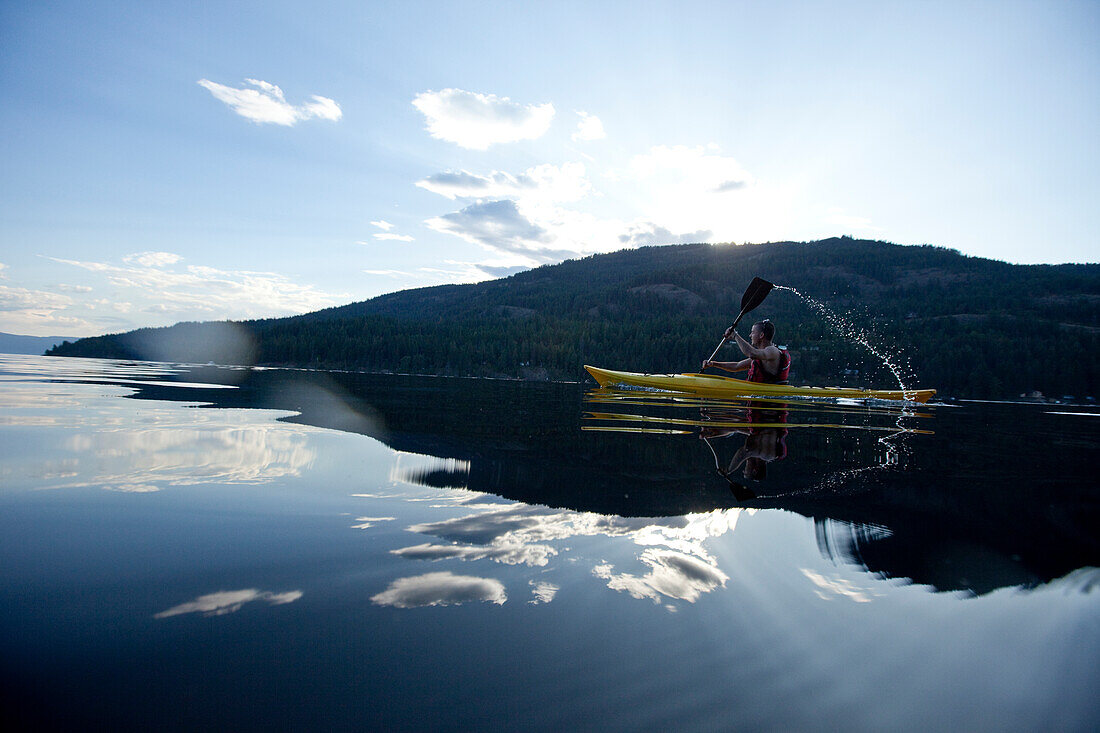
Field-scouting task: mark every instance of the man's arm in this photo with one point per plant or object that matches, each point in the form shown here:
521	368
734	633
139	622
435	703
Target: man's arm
751	351
729	366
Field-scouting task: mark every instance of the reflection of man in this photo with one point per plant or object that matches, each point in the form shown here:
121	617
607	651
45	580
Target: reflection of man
765	442
762	446
765	361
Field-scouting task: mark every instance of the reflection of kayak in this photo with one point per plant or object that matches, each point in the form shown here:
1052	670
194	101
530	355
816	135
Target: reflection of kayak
715	386
733	424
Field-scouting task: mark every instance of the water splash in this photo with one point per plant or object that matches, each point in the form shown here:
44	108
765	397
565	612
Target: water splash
846	328
894	444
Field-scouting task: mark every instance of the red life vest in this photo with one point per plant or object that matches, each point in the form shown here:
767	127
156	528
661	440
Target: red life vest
757	372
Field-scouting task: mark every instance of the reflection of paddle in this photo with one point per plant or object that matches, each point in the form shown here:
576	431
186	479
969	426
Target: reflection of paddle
758	290
740	491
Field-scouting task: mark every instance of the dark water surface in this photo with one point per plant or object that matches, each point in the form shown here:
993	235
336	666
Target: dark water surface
203	547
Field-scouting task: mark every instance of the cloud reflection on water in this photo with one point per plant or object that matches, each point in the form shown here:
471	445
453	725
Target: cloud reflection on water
368	522
181	454
542	592
229	601
680	567
440	589
828	589
672	575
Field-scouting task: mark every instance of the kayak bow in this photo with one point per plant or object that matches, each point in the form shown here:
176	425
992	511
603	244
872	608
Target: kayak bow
715	386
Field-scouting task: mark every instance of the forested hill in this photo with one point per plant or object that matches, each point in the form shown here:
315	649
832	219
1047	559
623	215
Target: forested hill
968	326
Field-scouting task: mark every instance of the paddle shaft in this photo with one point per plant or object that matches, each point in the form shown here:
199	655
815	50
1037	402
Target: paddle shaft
724	339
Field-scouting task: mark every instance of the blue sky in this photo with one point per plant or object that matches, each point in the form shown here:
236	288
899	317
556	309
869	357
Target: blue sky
200	161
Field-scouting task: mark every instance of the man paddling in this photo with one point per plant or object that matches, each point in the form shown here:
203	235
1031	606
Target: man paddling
766	362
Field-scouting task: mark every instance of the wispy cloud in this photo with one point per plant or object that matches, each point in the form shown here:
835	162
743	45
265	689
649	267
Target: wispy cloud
509	554
731	185
368	522
38	313
589	127
544	183
387	235
15	299
160	284
229	601
265	103
502	270
645	233
476	121
830	588
452	272
170	451
152	259
543	592
2	268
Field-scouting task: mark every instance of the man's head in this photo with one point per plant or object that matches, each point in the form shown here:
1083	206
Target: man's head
762	333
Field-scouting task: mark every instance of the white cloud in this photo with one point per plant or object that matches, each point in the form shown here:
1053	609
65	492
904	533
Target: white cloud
509	553
368	522
829	588
499	270
440	589
672	574
528	219
267	104
589	127
2	268
542	183
496	225
18	299
455	272
393	237
38	313
152	259
542	592
645	233
74	288
229	601
171	450
202	292
476	121
680	567
383	225
691	189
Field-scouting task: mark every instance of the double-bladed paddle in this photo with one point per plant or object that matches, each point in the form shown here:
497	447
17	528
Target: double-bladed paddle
754	295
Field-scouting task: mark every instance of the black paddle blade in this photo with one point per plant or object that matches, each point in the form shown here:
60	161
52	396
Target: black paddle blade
754	295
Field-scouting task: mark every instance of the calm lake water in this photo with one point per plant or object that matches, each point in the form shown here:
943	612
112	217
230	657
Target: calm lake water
223	548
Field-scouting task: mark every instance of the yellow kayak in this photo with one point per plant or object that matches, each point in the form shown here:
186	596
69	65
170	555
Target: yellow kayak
714	386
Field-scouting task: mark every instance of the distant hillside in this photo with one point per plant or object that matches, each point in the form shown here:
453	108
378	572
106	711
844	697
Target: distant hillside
11	343
969	326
